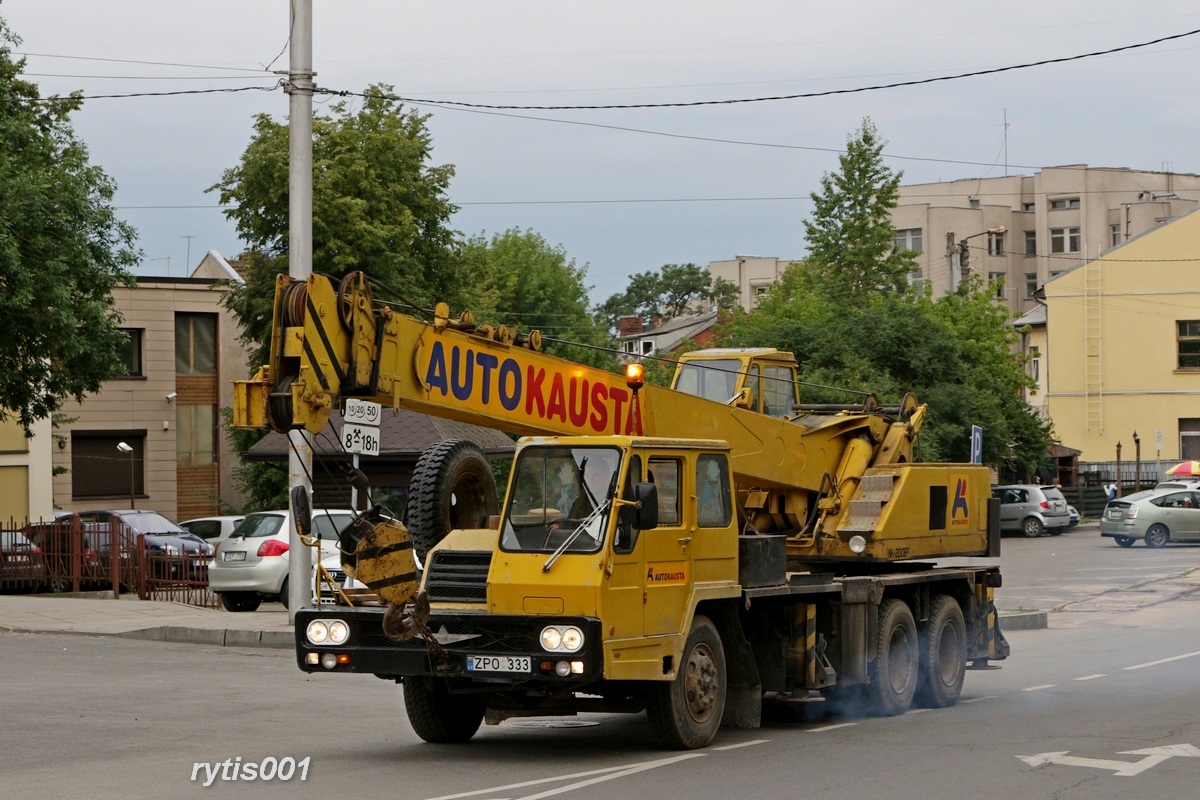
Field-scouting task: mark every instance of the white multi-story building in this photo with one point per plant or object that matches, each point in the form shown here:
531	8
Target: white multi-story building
1030	228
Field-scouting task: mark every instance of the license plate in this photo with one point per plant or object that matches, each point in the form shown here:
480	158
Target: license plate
1115	514
498	664
238	555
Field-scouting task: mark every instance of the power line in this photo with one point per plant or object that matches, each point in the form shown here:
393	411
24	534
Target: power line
134	61
802	96
231	90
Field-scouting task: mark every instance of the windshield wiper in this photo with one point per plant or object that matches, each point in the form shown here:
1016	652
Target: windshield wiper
596	512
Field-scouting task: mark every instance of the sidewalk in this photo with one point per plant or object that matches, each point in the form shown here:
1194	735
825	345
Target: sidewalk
138	619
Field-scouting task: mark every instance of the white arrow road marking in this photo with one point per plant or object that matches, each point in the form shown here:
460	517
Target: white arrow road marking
600	775
1124	769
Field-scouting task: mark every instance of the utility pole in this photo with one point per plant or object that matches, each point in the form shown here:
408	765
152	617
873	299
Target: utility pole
951	250
300	91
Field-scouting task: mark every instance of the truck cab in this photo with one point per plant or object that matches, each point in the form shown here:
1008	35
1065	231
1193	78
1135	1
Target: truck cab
761	379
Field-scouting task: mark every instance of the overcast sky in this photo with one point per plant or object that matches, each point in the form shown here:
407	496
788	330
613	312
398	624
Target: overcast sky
624	191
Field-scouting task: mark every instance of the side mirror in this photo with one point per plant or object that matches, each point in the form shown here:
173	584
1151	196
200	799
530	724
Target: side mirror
743	399
646	496
301	510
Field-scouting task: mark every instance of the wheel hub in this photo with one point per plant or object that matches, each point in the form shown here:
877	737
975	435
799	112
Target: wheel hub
700	683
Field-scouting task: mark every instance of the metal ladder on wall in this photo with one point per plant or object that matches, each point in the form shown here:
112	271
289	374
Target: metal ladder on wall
1093	376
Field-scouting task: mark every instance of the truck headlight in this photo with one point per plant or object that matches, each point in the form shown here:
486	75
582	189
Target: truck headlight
563	638
339	631
317	632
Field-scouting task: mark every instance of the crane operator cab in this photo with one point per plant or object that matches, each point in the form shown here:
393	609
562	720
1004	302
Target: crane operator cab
760	379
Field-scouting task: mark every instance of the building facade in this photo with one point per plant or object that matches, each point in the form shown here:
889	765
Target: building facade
1027	229
154	437
752	275
1124	329
25	468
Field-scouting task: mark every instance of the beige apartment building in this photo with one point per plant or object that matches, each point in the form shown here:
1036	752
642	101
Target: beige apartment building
1028	229
154	438
1124	331
753	275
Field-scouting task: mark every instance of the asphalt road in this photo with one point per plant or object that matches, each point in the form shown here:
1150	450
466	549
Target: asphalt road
1100	705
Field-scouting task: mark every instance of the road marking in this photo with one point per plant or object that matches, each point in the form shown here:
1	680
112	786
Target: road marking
1124	769
603	774
1164	661
742	744
977	699
1092	677
912	711
832	727
1039	688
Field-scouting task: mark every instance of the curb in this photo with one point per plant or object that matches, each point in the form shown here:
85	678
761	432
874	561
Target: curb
1024	621
220	637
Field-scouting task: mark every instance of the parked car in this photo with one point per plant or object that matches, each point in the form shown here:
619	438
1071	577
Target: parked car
1156	516
1178	484
161	534
252	564
213	530
1074	512
1032	509
21	562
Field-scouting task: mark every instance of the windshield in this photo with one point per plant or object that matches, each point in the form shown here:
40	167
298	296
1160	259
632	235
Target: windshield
559	493
712	380
150	522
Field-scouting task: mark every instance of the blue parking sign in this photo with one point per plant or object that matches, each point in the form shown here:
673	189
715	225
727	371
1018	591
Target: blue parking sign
976	444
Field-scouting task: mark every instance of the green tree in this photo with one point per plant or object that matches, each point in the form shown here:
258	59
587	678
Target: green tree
850	234
62	252
379	206
667	292
524	282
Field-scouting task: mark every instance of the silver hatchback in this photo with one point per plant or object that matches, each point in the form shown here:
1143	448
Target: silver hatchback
1032	509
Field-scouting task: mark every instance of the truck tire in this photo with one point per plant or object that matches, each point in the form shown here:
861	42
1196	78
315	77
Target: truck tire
438	716
686	713
452	487
896	666
943	654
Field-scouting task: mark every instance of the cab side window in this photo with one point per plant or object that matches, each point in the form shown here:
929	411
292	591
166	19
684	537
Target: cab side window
626	534
712	492
665	474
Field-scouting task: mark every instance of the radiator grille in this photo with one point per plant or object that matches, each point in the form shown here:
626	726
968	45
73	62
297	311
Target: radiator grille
458	576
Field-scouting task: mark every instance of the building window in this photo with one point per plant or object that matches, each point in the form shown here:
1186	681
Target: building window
1030	284
1189	344
630	347
1065	240
647	347
196	435
1064	203
973	202
1029	206
101	468
997	280
1189	439
917	281
1034	364
1030	244
131	352
195	344
995	244
1114	235
909	239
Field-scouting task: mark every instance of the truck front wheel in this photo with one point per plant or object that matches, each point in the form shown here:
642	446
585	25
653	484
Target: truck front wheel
943	654
687	712
438	716
895	669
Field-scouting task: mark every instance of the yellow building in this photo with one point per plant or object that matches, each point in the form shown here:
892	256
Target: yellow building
1124	330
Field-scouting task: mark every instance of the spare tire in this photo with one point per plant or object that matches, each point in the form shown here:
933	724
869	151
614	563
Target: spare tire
452	487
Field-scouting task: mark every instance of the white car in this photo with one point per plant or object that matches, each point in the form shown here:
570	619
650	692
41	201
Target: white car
213	530
252	564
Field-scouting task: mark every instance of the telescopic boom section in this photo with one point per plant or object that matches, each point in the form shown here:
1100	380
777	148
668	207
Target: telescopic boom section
796	468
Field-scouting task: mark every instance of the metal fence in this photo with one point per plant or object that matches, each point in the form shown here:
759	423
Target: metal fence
70	556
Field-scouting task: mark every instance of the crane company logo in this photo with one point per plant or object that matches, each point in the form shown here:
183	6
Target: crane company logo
574	399
959	505
666	572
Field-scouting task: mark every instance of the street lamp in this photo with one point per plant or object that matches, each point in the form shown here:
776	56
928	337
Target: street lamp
964	255
124	448
1118	469
1137	456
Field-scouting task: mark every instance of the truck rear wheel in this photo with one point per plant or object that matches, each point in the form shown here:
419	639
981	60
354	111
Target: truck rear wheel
943	654
438	716
686	713
895	670
452	487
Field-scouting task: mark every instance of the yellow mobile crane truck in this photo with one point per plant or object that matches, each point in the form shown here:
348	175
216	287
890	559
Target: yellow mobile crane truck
685	551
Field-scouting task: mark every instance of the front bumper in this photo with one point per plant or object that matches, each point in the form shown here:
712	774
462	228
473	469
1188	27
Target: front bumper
463	638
